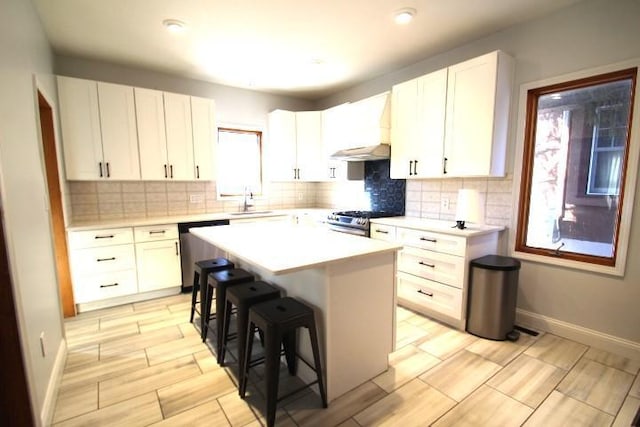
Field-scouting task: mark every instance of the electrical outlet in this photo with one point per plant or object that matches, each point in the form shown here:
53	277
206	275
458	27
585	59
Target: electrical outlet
42	345
300	196
195	198
444	204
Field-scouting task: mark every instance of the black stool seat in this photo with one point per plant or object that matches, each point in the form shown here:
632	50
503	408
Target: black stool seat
200	272
217	284
279	319
243	297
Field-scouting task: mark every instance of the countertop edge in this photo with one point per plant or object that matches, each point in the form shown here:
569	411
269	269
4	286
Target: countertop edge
437	226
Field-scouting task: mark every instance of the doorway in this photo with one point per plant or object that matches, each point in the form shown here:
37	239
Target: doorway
55	206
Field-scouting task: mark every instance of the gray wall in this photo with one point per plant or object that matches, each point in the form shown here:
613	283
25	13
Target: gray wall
589	34
24	51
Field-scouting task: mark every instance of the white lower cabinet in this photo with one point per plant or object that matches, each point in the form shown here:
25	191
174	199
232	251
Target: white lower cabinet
157	257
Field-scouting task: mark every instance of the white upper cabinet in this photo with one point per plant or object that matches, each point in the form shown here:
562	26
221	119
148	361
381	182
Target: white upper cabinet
99	130
404	128
478	98
205	137
177	116
335	136
151	134
295	146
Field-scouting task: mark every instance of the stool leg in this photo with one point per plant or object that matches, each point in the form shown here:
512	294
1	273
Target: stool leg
242	317
220	303
272	372
206	314
248	348
289	343
225	333
316	361
204	300
194	292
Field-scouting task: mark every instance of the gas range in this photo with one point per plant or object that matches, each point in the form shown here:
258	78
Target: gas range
355	222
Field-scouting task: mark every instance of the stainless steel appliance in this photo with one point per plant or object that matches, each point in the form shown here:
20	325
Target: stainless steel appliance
355	222
194	249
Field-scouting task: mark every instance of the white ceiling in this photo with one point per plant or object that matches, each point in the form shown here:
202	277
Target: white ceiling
299	47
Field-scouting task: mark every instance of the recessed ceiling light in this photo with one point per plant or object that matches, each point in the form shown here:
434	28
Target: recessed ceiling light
174	26
404	16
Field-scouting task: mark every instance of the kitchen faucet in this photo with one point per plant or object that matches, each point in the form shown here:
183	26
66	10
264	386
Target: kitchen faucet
248	202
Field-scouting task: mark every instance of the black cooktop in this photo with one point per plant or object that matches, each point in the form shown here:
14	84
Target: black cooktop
367	214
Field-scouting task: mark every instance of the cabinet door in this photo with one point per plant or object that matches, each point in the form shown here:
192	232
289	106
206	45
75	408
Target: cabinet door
336	133
205	137
471	97
404	110
282	146
158	265
310	160
151	133
80	126
428	148
177	116
119	131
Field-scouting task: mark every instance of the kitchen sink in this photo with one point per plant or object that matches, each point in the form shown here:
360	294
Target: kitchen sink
251	213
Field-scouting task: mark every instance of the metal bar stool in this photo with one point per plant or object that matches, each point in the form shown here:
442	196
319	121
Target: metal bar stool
243	297
201	270
217	284
279	319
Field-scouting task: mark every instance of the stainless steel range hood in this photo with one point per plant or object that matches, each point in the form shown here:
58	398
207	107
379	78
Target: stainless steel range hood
359	154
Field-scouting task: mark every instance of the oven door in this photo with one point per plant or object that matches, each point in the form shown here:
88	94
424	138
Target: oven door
348	230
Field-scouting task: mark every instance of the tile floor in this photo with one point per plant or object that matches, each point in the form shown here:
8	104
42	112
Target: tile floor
143	364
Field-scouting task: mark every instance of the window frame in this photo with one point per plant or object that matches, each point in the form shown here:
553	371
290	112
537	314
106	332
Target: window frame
523	168
256	130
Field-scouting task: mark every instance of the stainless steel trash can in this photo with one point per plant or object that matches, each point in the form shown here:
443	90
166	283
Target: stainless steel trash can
491	301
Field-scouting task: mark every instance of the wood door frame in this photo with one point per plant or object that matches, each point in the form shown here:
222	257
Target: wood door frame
47	132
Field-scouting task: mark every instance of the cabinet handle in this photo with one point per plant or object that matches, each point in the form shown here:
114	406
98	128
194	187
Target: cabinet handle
105	236
176	243
427	239
298	173
294	173
426	264
110	285
382	231
410	166
415	167
108	172
165	171
444	169
106	259
157	232
171	171
420	291
197	172
100	168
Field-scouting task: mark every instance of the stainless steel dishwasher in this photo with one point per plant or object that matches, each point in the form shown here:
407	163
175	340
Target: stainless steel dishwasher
193	249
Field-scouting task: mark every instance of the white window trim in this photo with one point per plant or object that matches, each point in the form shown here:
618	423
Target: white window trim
630	179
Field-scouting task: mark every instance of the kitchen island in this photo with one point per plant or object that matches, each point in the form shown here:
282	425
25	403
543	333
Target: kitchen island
348	280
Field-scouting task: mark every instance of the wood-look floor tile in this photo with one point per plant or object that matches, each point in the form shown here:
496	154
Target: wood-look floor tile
206	361
133	384
306	412
76	401
237	410
528	380
349	423
627	412
413	404
102	370
101	337
136	412
406	333
139	341
559	410
157	303
448	343
181	306
486	407
404	365
173	318
613	360
175	349
204	415
635	388
500	352
81	327
460	375
193	391
119	310
81	355
115	321
597	385
560	352
403	314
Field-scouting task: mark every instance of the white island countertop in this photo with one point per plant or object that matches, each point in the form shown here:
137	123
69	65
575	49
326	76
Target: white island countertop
281	248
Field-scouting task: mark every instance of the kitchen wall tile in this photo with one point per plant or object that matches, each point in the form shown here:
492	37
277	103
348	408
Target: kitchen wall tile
414	196
156	197
133	187
176	186
177	207
451	185
431	196
430	184
110	208
109	187
500	185
133	197
111	216
503	199
80	218
176	196
479	184
498	211
108	198
156	209
135	207
196	208
195	186
84	198
79	187
155	187
430	215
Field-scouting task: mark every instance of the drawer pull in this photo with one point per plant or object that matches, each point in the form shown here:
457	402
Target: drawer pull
426	264
382	231
157	232
106	236
420	291
109	286
106	259
427	239
177	253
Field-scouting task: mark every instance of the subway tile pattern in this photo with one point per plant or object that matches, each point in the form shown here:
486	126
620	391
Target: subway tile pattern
144	364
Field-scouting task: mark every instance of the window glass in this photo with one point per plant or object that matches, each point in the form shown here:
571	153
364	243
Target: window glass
239	162
575	151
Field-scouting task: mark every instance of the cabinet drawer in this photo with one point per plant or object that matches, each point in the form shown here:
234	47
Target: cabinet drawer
98	238
96	287
383	232
430	295
443	268
444	243
102	260
155	232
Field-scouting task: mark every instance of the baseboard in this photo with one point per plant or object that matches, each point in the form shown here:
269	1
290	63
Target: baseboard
48	405
610	343
127	299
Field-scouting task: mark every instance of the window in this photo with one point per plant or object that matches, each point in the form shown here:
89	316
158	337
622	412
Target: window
575	153
239	162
